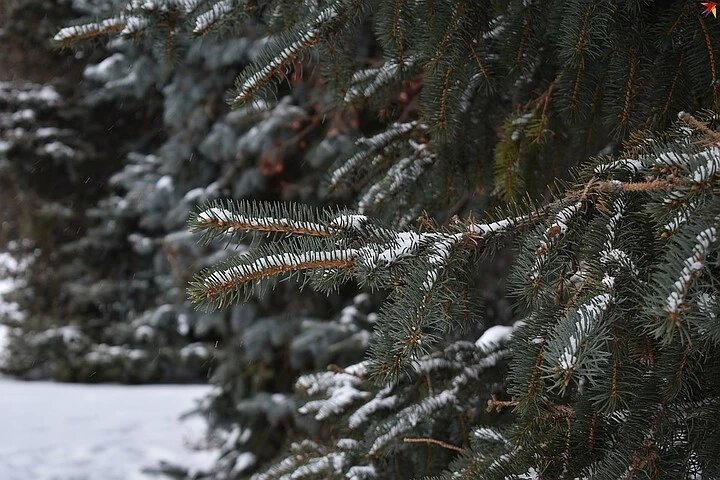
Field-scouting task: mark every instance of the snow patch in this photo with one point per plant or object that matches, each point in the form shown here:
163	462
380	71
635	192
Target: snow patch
53	431
244	461
165	183
493	337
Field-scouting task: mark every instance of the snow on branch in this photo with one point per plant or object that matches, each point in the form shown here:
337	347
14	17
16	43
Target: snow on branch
364	83
401	175
489	435
134	25
680	218
553	234
631	166
708	305
412	415
341	388
612	226
403	245
702	165
500	226
248	269
333	462
219	219
163	5
382	400
692	266
87	31
438	259
610	253
707	170
222	218
308	37
300	453
584	324
361	472
189	6
219	11
29	94
336	245
493	337
589	316
372	146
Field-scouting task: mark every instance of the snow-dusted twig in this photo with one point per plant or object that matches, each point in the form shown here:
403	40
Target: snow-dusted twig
551	237
401	175
216	13
309	37
227	221
692	266
90	30
364	83
371	146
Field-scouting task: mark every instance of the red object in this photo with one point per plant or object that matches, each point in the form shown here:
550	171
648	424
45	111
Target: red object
710	7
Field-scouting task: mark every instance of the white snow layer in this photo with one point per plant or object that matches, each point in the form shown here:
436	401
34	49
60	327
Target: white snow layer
53	431
8	309
493	337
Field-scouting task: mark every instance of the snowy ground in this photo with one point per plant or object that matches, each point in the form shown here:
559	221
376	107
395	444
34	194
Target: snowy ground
53	431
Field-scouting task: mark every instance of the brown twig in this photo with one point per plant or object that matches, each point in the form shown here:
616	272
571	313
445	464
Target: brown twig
212	292
497	405
696	124
235	225
645	186
434	441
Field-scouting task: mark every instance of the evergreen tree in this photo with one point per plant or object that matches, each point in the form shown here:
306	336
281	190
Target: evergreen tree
122	313
609	369
613	364
117	272
50	173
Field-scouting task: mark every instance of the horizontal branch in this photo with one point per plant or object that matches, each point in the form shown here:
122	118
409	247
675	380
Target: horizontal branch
433	441
219	282
227	221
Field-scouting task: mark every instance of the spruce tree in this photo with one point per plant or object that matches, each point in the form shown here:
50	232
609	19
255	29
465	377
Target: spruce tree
609	369
122	313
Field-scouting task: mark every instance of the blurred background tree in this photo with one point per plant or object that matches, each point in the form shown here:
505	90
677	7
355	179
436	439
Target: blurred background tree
105	152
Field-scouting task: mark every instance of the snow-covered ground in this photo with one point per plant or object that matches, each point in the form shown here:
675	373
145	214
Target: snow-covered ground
53	431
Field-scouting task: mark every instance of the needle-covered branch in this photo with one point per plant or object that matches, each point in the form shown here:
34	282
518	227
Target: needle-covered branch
327	245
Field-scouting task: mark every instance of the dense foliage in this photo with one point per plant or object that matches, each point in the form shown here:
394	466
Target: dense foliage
614	361
609	368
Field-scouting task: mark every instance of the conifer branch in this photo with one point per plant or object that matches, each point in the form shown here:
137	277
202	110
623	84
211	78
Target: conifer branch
553	234
624	116
691	268
78	33
433	441
215	14
699	126
710	49
365	83
400	176
227	283
220	218
289	47
373	146
673	86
